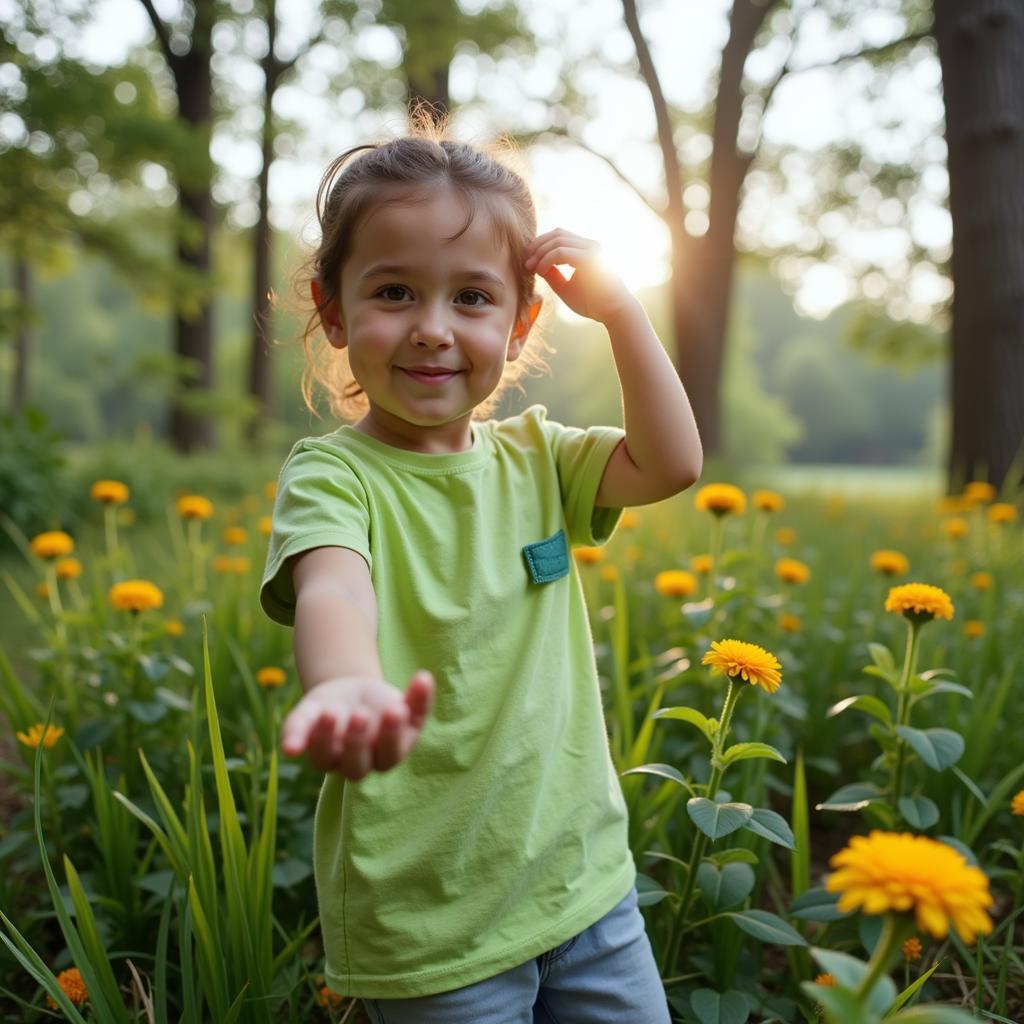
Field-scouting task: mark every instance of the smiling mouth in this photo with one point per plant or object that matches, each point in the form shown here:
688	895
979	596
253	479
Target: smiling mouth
430	378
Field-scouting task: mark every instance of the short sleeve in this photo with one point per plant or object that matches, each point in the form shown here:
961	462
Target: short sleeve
320	503
582	457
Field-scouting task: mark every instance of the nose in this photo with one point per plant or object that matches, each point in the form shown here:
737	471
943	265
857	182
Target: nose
431	328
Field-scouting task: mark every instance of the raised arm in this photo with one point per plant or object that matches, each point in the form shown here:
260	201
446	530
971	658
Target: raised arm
351	720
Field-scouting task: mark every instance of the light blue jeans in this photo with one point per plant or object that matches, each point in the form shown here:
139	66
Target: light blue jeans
604	975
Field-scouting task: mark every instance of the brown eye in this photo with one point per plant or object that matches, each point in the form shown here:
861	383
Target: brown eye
393	292
476	298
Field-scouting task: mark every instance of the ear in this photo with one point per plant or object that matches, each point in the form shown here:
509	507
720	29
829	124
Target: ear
524	322
329	317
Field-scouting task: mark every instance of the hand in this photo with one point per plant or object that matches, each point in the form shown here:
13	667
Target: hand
357	724
594	290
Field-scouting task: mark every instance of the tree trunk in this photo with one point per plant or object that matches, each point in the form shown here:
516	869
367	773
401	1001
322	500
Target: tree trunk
981	51
190	430
259	359
702	271
23	336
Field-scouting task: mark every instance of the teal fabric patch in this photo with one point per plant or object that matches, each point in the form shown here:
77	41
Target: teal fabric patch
548	559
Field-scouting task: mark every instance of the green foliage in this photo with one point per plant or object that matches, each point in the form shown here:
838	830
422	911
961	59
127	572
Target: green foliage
34	486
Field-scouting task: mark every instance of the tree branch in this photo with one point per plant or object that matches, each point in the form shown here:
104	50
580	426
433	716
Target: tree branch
162	35
867	51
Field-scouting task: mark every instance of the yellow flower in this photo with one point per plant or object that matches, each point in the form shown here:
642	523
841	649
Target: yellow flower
68	568
979	490
786	536
702	564
270	490
982	581
720	499
136	596
1017	804
266	526
226	564
912	949
954	527
768	501
748	661
236	536
1002	512
789	570
588	556
609	573
919	602
193	506
73	986
675	583
271	676
35	736
973	628
629	520
790	623
898	871
52	544
110	492
951	505
828	980
174	627
890	563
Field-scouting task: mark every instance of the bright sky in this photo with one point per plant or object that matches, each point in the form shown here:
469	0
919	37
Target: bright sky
579	191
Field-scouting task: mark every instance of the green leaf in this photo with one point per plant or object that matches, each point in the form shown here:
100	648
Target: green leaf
937	748
911	990
147	713
817	904
841	1006
935	1015
717	820
664	771
852	797
849	972
719	1007
750	751
918	811
706	725
882	657
941	687
863	702
772	826
721	889
735	854
766	927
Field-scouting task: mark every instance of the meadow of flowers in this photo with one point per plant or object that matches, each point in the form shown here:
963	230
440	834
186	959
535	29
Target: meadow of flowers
812	703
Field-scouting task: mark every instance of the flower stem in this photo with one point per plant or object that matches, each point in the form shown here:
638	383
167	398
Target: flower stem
888	943
110	528
903	709
700	840
717	522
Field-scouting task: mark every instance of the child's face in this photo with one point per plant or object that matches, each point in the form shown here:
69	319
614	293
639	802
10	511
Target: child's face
409	298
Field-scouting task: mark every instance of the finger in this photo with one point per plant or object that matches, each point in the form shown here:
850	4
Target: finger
556	279
388	750
420	698
356	760
563	240
326	740
297	728
569	256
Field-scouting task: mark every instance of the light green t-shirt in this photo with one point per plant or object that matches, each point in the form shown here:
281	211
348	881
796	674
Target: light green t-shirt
503	833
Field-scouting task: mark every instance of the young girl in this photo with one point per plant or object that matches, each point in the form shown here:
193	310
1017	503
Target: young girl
470	844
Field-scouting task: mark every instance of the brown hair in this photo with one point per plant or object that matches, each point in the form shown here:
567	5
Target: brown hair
352	188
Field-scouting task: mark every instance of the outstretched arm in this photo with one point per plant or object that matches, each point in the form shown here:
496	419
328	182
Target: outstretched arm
661	454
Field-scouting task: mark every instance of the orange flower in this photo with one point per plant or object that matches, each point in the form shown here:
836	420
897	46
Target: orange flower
1002	512
912	949
954	527
790	623
266	526
675	583
72	985
790	570
828	980
110	492
628	520
609	573
919	602
136	596
226	564
35	736
786	536
982	581
890	563
194	506
1017	804
271	677
720	499
768	501
236	536
973	628
588	556
751	663
52	544
174	627
979	491
68	568
702	564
